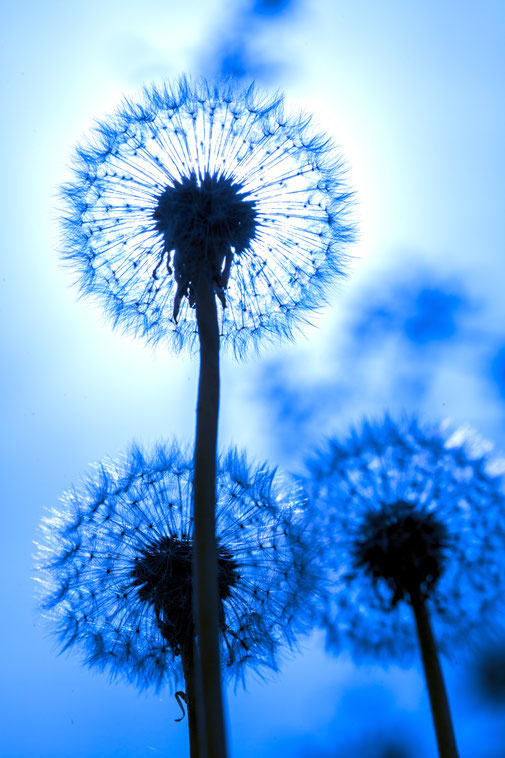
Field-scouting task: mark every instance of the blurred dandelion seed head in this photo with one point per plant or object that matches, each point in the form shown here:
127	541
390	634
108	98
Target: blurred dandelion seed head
115	566
398	509
403	546
226	183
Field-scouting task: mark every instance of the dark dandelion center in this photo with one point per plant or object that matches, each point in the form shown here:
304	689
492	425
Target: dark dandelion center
204	221
403	546
163	575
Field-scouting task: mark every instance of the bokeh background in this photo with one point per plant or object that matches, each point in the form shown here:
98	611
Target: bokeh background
413	93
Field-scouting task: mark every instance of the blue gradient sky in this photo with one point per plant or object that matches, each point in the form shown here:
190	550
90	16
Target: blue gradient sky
413	92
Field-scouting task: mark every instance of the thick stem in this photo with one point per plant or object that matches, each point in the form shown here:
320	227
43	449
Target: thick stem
439	703
188	667
205	567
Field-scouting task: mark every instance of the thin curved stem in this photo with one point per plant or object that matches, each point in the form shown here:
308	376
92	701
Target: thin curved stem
205	567
439	702
188	667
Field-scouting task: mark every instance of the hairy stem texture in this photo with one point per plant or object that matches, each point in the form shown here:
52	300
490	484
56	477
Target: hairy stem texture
205	574
439	703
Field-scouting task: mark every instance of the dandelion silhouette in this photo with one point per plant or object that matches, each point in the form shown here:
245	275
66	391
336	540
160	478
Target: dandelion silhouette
203	221
239	191
198	192
410	521
115	565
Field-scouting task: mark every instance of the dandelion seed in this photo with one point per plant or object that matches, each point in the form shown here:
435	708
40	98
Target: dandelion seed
115	567
199	192
228	185
411	527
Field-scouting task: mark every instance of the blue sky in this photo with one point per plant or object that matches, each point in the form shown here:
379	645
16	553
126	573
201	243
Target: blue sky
413	93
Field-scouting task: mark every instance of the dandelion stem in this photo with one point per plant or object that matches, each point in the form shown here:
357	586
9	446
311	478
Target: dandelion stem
439	702
188	667
205	575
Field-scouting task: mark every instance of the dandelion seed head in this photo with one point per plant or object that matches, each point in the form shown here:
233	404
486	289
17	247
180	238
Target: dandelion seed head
162	573
401	509
402	546
198	180
203	222
115	567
